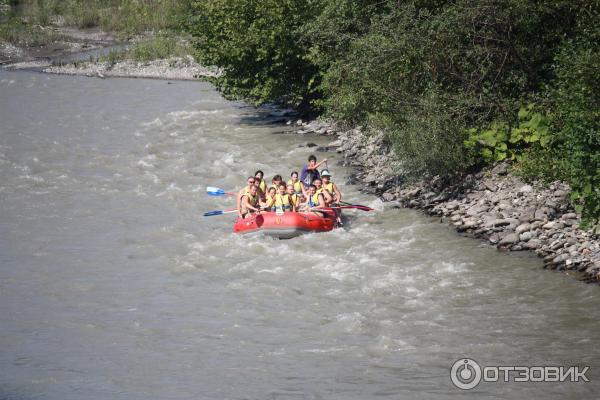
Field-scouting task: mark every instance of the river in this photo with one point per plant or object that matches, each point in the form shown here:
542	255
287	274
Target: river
113	285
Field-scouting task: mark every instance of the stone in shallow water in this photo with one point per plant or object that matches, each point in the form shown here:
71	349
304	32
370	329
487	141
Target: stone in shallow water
387	196
533	244
511	238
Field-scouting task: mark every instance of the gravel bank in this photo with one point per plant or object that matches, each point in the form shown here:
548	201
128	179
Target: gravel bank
175	68
493	205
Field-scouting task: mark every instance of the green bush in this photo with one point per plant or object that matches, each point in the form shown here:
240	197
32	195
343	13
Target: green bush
500	141
17	31
258	46
577	97
163	45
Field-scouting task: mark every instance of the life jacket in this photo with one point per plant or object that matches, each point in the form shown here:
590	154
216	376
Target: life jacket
297	186
294	199
270	202
262	185
282	202
247	190
313	201
252	200
329	188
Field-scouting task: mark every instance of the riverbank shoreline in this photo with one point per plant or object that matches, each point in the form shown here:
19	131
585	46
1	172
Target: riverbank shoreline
174	68
493	205
49	57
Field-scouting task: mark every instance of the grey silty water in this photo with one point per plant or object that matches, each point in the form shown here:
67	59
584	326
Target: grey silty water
112	284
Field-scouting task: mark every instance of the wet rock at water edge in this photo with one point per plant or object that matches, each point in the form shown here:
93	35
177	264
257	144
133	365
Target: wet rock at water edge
532	244
352	179
509	239
309	144
387	196
324	149
494	238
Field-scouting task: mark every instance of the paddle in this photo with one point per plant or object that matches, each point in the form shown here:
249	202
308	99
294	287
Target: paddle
219	212
215	191
358	206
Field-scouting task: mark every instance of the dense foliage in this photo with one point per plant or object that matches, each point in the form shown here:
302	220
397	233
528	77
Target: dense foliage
258	45
453	84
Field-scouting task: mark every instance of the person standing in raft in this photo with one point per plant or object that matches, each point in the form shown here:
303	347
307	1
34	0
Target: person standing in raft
310	171
249	202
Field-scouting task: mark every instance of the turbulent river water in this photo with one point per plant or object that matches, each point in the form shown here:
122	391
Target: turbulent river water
113	285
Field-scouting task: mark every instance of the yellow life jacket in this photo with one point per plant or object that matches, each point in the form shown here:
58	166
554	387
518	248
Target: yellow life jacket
294	198
329	188
297	186
262	185
283	202
252	200
313	201
270	201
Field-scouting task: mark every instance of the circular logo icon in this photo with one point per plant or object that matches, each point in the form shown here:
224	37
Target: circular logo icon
465	373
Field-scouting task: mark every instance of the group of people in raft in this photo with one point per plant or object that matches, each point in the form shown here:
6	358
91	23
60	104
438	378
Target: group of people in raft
311	191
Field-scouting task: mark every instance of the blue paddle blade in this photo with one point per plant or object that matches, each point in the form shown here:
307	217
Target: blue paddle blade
215	191
211	213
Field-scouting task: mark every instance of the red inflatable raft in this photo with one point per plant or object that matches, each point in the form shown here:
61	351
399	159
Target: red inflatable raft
287	225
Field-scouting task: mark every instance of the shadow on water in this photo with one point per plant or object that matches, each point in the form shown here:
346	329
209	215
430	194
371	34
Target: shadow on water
268	114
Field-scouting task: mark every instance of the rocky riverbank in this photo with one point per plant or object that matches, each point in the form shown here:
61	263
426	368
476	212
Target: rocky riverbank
180	68
494	204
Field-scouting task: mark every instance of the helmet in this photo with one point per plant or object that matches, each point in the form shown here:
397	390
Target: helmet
325	173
